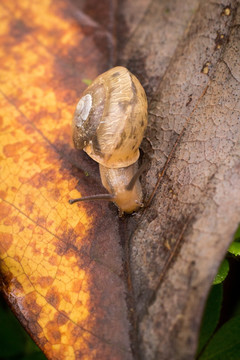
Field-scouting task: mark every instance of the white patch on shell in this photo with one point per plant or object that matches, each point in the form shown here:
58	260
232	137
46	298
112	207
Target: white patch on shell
83	108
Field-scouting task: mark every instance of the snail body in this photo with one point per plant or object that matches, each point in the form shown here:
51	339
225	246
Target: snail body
109	124
116	181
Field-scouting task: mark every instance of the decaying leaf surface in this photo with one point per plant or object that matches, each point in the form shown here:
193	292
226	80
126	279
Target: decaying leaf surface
61	265
193	139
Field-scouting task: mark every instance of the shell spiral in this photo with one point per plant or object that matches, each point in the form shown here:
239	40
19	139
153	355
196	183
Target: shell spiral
110	118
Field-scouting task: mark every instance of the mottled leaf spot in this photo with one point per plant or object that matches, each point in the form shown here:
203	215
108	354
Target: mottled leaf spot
45	281
52	297
220	41
206	68
226	11
31	304
19	29
5	242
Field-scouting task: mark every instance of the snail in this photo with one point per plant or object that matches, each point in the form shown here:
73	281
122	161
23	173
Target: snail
109	124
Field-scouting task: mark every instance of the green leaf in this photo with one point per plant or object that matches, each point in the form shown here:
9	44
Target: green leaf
222	272
12	337
211	315
35	356
15	343
236	310
237	234
32	351
225	344
234	248
87	81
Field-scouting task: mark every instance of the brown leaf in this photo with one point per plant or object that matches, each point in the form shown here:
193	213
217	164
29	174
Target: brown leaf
193	142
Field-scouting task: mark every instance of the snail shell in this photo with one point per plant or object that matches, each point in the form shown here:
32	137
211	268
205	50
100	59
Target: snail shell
110	118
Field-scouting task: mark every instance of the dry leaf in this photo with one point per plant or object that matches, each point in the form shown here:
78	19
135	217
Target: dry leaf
79	293
61	264
193	143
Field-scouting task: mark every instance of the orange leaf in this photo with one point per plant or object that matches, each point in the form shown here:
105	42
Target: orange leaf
60	264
